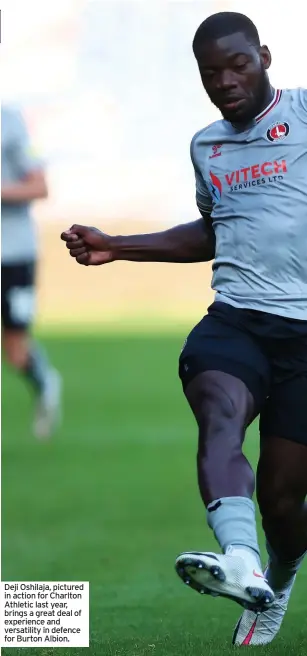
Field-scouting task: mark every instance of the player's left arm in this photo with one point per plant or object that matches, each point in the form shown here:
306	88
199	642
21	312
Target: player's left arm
31	184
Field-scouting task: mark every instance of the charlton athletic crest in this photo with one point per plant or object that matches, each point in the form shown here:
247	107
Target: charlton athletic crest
278	132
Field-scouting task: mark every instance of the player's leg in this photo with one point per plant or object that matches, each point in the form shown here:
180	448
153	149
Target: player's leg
223	408
281	496
20	351
281	491
224	376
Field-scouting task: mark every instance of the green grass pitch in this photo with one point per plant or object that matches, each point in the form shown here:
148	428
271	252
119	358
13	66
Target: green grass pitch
113	499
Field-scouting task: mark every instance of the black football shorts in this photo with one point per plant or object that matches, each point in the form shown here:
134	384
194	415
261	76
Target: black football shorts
267	352
18	295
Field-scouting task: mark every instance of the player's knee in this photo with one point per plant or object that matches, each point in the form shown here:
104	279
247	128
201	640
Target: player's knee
219	411
219	422
221	419
218	399
15	349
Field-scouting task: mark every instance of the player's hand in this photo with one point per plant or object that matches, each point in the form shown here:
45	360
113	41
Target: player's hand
89	246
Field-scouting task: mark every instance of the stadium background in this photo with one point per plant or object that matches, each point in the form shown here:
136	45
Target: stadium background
112	97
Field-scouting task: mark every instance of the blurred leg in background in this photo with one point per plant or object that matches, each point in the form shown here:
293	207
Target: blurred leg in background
23	181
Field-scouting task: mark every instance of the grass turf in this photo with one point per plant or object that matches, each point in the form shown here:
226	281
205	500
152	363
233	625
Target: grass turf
113	499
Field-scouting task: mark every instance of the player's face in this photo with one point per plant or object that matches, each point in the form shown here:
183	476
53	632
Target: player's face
233	73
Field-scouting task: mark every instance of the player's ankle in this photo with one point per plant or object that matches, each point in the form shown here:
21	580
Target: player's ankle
250	556
233	522
280	573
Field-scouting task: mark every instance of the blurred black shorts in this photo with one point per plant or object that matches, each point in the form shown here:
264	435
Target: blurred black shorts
18	295
267	352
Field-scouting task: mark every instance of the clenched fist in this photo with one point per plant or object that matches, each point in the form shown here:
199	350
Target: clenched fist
89	246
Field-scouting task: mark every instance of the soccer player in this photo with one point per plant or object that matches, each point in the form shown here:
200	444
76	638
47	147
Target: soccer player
23	181
248	355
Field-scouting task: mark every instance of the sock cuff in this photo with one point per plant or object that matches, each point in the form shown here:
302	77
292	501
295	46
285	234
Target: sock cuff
231	501
233	522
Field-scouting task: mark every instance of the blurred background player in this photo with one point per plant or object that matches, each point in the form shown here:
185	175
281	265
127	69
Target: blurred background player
23	181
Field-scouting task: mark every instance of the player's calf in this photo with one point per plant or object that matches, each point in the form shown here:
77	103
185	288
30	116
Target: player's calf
223	407
15	344
285	526
281	497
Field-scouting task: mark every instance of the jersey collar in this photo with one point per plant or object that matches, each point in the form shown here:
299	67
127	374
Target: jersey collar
273	103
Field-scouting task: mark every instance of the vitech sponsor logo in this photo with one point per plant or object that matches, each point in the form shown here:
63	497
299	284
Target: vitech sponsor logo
250	176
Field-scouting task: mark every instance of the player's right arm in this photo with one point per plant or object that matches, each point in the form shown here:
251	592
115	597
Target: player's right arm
189	242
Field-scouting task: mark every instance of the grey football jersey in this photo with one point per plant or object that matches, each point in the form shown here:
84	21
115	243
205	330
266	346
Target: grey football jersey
18	238
253	182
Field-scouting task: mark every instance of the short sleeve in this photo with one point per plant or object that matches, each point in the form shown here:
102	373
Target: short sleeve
22	152
303	95
299	103
203	198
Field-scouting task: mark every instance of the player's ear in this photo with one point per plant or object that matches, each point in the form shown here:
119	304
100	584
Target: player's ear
266	56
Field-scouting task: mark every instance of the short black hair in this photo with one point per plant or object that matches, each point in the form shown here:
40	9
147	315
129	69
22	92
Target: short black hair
225	23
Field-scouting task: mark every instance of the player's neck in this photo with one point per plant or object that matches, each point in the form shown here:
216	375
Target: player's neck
267	99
